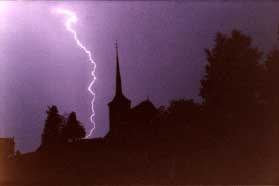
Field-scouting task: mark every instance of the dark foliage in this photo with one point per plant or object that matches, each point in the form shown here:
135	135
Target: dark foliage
73	130
272	84
230	138
232	82
52	131
183	111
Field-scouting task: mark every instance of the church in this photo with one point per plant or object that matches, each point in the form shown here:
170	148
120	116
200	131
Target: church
126	123
123	118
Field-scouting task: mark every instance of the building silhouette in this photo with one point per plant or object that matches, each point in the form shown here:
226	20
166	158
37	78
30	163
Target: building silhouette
127	123
122	117
120	106
7	147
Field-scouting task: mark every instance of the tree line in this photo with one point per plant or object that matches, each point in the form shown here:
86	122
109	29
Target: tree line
60	129
239	90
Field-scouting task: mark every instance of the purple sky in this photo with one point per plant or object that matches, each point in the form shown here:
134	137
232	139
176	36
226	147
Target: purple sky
161	48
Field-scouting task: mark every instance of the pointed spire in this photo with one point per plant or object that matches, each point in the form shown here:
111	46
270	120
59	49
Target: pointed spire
118	75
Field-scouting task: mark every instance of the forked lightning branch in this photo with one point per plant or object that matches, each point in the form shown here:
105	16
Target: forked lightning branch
72	19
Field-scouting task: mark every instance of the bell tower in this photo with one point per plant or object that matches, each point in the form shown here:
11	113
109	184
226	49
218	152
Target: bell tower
120	106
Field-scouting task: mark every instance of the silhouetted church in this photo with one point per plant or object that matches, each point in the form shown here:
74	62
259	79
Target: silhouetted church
123	117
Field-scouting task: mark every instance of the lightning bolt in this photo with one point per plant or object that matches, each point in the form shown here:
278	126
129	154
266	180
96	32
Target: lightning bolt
72	19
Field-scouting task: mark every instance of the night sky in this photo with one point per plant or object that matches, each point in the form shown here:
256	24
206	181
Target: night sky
161	50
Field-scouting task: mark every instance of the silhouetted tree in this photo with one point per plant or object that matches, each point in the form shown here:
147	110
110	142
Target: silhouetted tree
183	110
18	153
272	84
73	130
52	130
231	86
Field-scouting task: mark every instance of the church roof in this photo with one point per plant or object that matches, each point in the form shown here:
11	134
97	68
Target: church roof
147	104
119	98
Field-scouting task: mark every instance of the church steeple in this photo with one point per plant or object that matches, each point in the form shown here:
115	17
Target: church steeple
120	106
119	96
118	90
